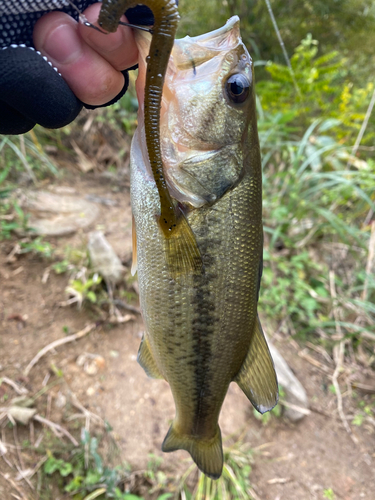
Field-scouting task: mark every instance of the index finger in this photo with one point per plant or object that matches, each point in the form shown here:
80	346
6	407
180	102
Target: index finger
118	48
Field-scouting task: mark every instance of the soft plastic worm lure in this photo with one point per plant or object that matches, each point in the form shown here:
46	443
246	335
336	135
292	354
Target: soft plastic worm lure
181	245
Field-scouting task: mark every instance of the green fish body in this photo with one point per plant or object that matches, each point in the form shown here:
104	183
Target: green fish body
201	326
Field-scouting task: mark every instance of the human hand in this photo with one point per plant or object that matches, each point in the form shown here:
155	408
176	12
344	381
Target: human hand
74	63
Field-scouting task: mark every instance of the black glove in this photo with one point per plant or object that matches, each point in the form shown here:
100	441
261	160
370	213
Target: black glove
31	90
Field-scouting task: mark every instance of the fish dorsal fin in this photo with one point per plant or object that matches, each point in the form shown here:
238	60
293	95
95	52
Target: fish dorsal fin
257	376
134	249
146	359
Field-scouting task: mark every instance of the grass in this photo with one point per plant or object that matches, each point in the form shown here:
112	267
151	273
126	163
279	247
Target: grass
233	484
314	213
84	473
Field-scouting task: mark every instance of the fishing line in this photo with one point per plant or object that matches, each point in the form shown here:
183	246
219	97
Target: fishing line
87	23
281	42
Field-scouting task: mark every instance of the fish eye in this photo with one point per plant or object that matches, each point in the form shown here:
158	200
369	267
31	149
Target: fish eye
238	88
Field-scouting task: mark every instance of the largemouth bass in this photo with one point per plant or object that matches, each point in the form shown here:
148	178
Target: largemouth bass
201	326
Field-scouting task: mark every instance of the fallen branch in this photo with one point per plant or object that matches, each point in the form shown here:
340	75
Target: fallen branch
368	335
38	465
23	476
13	484
56	428
303	354
253	494
340	354
366	389
16	442
279	480
304	411
57	343
19	390
370	259
3	451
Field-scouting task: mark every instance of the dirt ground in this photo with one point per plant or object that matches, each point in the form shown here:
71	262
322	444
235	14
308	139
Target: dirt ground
291	462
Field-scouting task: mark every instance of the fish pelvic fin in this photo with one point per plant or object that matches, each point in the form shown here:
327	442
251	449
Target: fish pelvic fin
257	376
134	249
206	453
181	249
146	359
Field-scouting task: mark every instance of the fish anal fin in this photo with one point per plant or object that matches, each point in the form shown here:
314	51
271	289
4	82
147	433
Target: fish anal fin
206	453
257	376
181	250
146	359
134	248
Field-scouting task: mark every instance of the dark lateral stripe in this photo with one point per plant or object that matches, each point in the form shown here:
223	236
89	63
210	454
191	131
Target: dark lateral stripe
204	323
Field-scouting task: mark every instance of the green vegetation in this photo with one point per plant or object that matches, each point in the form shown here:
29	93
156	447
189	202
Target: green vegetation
83	475
329	494
233	484
316	201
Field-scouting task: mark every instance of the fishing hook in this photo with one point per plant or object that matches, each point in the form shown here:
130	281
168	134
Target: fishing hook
83	19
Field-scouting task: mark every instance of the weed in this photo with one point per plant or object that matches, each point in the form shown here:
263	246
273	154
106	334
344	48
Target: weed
84	288
24	153
12	217
313	206
293	287
365	412
157	477
233	483
329	494
61	267
319	79
37	246
85	473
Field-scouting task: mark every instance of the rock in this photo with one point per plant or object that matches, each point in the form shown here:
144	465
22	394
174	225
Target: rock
60	400
104	259
54	214
21	415
91	363
90	391
91	368
3	448
295	394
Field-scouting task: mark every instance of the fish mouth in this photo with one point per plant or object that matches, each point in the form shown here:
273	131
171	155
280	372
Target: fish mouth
201	48
228	26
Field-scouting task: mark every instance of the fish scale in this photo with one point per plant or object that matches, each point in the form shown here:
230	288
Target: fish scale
201	328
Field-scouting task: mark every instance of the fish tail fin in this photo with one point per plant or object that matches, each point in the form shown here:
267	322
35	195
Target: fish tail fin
206	453
181	249
257	377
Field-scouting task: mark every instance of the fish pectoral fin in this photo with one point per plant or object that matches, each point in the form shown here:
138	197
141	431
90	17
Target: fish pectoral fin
146	359
181	250
134	249
206	453
257	376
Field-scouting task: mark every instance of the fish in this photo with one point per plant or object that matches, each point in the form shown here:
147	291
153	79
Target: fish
202	329
182	246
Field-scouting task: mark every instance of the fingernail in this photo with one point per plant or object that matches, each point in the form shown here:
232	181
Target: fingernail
63	44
